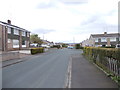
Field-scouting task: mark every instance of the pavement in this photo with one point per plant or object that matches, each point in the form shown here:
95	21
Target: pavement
87	75
23	55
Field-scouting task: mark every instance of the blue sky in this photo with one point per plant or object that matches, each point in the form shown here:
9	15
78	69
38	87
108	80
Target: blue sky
62	20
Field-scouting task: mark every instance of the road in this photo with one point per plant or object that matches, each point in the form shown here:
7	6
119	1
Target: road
48	70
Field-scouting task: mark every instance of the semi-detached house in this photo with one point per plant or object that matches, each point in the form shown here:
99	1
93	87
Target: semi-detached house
13	37
105	39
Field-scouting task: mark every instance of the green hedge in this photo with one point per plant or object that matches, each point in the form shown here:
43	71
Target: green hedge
56	46
92	53
37	50
78	46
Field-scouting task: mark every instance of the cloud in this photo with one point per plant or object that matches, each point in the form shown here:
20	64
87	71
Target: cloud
43	31
45	5
61	20
74	1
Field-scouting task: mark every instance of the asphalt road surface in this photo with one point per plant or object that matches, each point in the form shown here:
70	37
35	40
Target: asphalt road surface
48	70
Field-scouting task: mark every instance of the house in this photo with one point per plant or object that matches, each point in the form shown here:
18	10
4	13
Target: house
13	37
105	39
48	43
85	43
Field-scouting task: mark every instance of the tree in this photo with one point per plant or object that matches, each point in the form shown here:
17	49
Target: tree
35	39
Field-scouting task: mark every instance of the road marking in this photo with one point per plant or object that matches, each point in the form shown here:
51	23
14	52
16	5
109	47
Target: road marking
69	74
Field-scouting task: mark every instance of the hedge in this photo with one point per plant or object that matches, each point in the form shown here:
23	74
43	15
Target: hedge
78	46
92	52
106	58
37	50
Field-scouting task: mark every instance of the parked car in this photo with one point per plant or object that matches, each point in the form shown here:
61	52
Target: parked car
34	45
117	45
70	47
45	46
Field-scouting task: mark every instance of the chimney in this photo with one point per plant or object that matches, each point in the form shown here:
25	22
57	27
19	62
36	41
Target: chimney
9	21
105	33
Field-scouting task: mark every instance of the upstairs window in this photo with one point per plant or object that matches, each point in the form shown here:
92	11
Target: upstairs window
16	32
28	34
113	39
9	30
96	39
23	33
103	39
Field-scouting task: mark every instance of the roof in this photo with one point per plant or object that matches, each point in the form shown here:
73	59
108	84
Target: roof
105	35
4	23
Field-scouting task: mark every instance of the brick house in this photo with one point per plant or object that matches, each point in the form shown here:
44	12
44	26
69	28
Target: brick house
105	39
13	37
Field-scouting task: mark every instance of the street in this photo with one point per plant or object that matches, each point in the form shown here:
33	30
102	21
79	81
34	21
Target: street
50	70
47	70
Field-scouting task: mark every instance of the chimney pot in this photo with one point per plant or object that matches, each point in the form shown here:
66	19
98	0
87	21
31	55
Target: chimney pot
105	33
9	21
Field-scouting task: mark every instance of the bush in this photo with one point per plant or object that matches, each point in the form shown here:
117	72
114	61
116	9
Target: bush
108	47
93	52
56	46
77	46
37	50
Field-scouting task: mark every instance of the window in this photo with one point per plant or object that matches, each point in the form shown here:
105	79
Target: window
9	41
9	30
28	34
103	39
113	39
23	43
96	39
15	43
16	32
23	33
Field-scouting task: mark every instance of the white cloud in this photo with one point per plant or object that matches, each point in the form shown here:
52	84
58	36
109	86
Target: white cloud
61	20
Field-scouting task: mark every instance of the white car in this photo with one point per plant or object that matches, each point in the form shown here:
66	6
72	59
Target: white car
34	45
117	45
46	46
70	47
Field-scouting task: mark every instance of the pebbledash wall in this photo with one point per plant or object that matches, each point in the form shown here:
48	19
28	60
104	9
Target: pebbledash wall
13	37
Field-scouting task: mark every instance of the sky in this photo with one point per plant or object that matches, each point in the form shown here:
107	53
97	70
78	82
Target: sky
67	21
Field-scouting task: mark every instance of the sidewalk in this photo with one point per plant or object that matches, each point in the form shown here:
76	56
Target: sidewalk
87	75
23	55
14	61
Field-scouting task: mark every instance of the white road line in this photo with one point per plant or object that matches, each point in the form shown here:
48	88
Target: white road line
68	80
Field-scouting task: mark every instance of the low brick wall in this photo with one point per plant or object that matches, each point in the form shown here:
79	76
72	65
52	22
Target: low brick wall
9	55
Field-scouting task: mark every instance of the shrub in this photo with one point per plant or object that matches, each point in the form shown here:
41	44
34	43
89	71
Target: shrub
102	53
37	50
56	46
78	46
